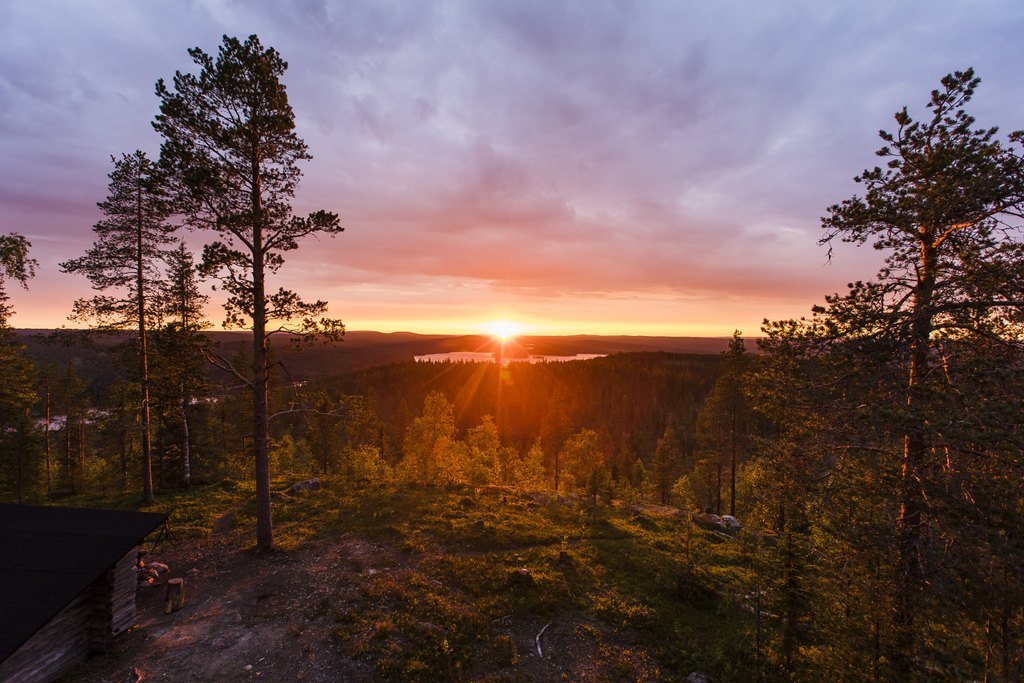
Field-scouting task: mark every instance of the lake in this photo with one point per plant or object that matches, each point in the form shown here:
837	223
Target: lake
487	357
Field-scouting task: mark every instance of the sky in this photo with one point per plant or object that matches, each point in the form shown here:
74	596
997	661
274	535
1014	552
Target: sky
577	167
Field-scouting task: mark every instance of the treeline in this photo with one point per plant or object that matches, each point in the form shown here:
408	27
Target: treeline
627	401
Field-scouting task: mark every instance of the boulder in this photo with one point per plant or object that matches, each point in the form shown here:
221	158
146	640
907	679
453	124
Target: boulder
706	519
304	486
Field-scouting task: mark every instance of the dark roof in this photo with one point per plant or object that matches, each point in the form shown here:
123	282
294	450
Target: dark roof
49	555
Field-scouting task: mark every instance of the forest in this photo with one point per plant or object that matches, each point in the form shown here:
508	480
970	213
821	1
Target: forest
864	464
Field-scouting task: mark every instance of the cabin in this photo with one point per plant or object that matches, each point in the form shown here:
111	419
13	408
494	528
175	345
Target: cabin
67	585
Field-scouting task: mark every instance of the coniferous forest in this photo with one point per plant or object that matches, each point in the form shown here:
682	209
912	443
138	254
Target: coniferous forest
837	497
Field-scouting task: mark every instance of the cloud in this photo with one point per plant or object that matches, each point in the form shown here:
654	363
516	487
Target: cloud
525	149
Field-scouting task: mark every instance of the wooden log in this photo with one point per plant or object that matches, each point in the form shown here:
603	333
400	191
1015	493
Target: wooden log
175	594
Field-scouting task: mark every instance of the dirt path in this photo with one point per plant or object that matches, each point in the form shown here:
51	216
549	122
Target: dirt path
246	616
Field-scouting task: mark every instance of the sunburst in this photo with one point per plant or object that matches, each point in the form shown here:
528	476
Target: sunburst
504	329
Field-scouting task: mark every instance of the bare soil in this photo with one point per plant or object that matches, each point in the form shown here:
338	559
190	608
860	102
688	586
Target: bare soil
246	616
274	617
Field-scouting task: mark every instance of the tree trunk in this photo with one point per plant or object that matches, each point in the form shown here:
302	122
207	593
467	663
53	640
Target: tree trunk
1004	638
186	461
20	475
46	441
69	461
732	460
261	427
124	464
757	601
557	472
718	484
81	448
147	453
909	573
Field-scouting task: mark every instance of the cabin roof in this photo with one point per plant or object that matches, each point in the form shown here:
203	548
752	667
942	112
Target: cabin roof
49	555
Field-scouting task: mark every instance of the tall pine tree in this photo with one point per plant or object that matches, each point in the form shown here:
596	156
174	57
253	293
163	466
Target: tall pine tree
925	358
230	146
123	264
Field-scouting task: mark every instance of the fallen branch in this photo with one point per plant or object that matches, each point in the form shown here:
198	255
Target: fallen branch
540	652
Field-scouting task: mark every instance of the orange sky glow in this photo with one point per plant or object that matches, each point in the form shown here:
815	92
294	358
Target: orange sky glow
655	168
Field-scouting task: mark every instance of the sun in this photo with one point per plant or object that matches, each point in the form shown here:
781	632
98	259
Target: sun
504	329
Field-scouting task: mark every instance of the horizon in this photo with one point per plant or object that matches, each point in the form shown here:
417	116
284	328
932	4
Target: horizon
524	335
573	169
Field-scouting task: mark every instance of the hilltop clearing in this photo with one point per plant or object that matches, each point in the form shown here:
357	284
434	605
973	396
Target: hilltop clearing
431	584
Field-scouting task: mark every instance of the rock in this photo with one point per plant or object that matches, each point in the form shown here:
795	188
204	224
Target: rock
731	523
706	519
307	485
697	677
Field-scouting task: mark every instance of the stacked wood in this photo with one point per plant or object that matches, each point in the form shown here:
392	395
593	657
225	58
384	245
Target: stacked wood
150	573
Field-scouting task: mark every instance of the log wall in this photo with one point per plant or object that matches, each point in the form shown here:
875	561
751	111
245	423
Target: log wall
87	625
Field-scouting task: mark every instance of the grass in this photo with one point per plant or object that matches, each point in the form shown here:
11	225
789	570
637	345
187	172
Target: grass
481	571
481	556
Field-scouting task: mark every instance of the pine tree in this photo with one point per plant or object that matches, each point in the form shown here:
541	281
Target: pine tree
922	367
666	463
123	264
18	442
231	149
724	424
180	347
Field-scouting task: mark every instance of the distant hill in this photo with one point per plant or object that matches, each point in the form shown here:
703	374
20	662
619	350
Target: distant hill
360	349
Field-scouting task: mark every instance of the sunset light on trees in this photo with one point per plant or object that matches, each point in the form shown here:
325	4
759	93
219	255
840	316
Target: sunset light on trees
682	341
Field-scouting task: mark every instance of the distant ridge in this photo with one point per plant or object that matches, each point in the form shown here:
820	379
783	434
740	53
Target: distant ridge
364	348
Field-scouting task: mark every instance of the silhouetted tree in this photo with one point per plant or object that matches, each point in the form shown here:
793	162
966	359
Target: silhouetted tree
723	425
181	348
123	264
17	395
230	147
934	339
